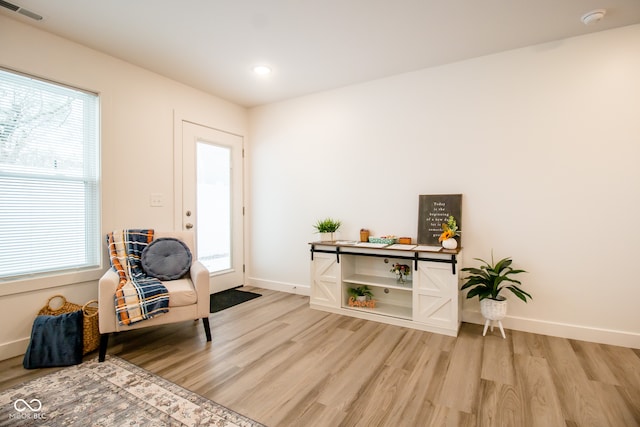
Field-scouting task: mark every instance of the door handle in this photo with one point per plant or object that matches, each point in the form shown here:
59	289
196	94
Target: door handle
188	226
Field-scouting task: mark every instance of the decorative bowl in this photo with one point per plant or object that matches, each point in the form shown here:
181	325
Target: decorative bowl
385	240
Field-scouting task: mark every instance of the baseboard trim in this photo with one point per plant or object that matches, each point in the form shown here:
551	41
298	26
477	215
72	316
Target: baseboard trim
562	330
291	288
14	348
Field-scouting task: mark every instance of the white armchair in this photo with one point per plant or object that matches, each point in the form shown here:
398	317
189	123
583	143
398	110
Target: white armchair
188	297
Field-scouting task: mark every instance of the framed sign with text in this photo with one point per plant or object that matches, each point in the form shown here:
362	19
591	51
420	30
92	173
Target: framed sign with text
433	211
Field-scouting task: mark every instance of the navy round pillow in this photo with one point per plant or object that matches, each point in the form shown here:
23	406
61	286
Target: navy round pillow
166	258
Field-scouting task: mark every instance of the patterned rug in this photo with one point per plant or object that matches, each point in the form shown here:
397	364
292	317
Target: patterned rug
112	393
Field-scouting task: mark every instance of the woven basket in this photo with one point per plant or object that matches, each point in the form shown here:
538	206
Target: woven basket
90	331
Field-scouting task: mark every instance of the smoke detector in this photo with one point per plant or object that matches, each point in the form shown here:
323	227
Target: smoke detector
593	16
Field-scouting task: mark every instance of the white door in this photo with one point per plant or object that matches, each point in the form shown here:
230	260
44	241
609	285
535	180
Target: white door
212	201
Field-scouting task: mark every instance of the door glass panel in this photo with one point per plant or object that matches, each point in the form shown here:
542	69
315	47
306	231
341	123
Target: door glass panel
213	206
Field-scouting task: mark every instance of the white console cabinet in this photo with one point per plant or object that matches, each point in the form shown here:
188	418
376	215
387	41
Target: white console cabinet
428	300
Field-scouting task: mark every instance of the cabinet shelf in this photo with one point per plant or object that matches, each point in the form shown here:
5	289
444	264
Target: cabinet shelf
386	309
382	282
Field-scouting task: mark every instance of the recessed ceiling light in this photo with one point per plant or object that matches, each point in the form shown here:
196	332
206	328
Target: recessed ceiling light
261	70
593	16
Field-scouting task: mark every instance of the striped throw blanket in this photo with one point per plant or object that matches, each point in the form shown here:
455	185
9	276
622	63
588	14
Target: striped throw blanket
138	296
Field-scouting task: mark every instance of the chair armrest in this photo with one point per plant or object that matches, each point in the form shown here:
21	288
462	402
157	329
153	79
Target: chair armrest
200	278
107	286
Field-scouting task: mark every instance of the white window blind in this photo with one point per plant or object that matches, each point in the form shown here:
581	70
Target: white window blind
49	177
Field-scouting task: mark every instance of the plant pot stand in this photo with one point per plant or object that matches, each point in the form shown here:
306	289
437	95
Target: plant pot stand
489	321
493	311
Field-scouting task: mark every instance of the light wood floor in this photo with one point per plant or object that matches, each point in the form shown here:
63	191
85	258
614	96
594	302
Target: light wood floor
281	363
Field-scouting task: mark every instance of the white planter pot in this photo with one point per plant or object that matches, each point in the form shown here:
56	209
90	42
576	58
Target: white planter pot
492	309
450	243
361	298
326	237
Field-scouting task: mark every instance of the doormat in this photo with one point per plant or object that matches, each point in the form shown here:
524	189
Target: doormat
225	299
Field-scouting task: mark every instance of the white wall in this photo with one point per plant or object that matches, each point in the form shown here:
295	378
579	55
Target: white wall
137	123
543	143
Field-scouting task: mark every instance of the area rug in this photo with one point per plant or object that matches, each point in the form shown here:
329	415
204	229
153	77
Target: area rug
111	393
225	299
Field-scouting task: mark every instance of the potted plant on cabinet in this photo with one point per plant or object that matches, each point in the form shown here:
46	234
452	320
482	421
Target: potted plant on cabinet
401	271
326	228
487	282
449	233
360	293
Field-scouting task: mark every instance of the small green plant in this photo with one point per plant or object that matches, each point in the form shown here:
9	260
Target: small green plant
327	225
490	279
361	291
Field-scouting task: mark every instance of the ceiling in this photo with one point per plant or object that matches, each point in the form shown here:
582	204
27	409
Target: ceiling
311	45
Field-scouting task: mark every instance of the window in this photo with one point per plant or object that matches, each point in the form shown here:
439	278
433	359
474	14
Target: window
213	175
49	178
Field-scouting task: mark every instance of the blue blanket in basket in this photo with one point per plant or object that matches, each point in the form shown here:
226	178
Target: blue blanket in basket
55	341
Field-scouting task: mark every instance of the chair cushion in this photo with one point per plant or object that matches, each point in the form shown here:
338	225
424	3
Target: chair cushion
181	292
166	258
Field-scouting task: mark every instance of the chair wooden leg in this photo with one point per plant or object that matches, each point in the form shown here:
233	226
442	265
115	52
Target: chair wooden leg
207	328
104	341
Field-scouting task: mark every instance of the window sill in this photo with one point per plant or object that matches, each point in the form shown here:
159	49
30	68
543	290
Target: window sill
30	284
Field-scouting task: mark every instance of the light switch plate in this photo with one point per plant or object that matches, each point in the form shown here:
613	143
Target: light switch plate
156	200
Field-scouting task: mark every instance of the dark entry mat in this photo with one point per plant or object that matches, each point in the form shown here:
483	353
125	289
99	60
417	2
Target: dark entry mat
229	298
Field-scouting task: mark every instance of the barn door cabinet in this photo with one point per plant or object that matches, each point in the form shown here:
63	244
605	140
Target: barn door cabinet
428	300
325	280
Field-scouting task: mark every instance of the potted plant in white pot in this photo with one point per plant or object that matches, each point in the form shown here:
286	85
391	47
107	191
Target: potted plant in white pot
361	293
326	227
449	233
487	282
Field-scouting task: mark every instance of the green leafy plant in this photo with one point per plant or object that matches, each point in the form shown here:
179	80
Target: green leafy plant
361	291
491	279
327	225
